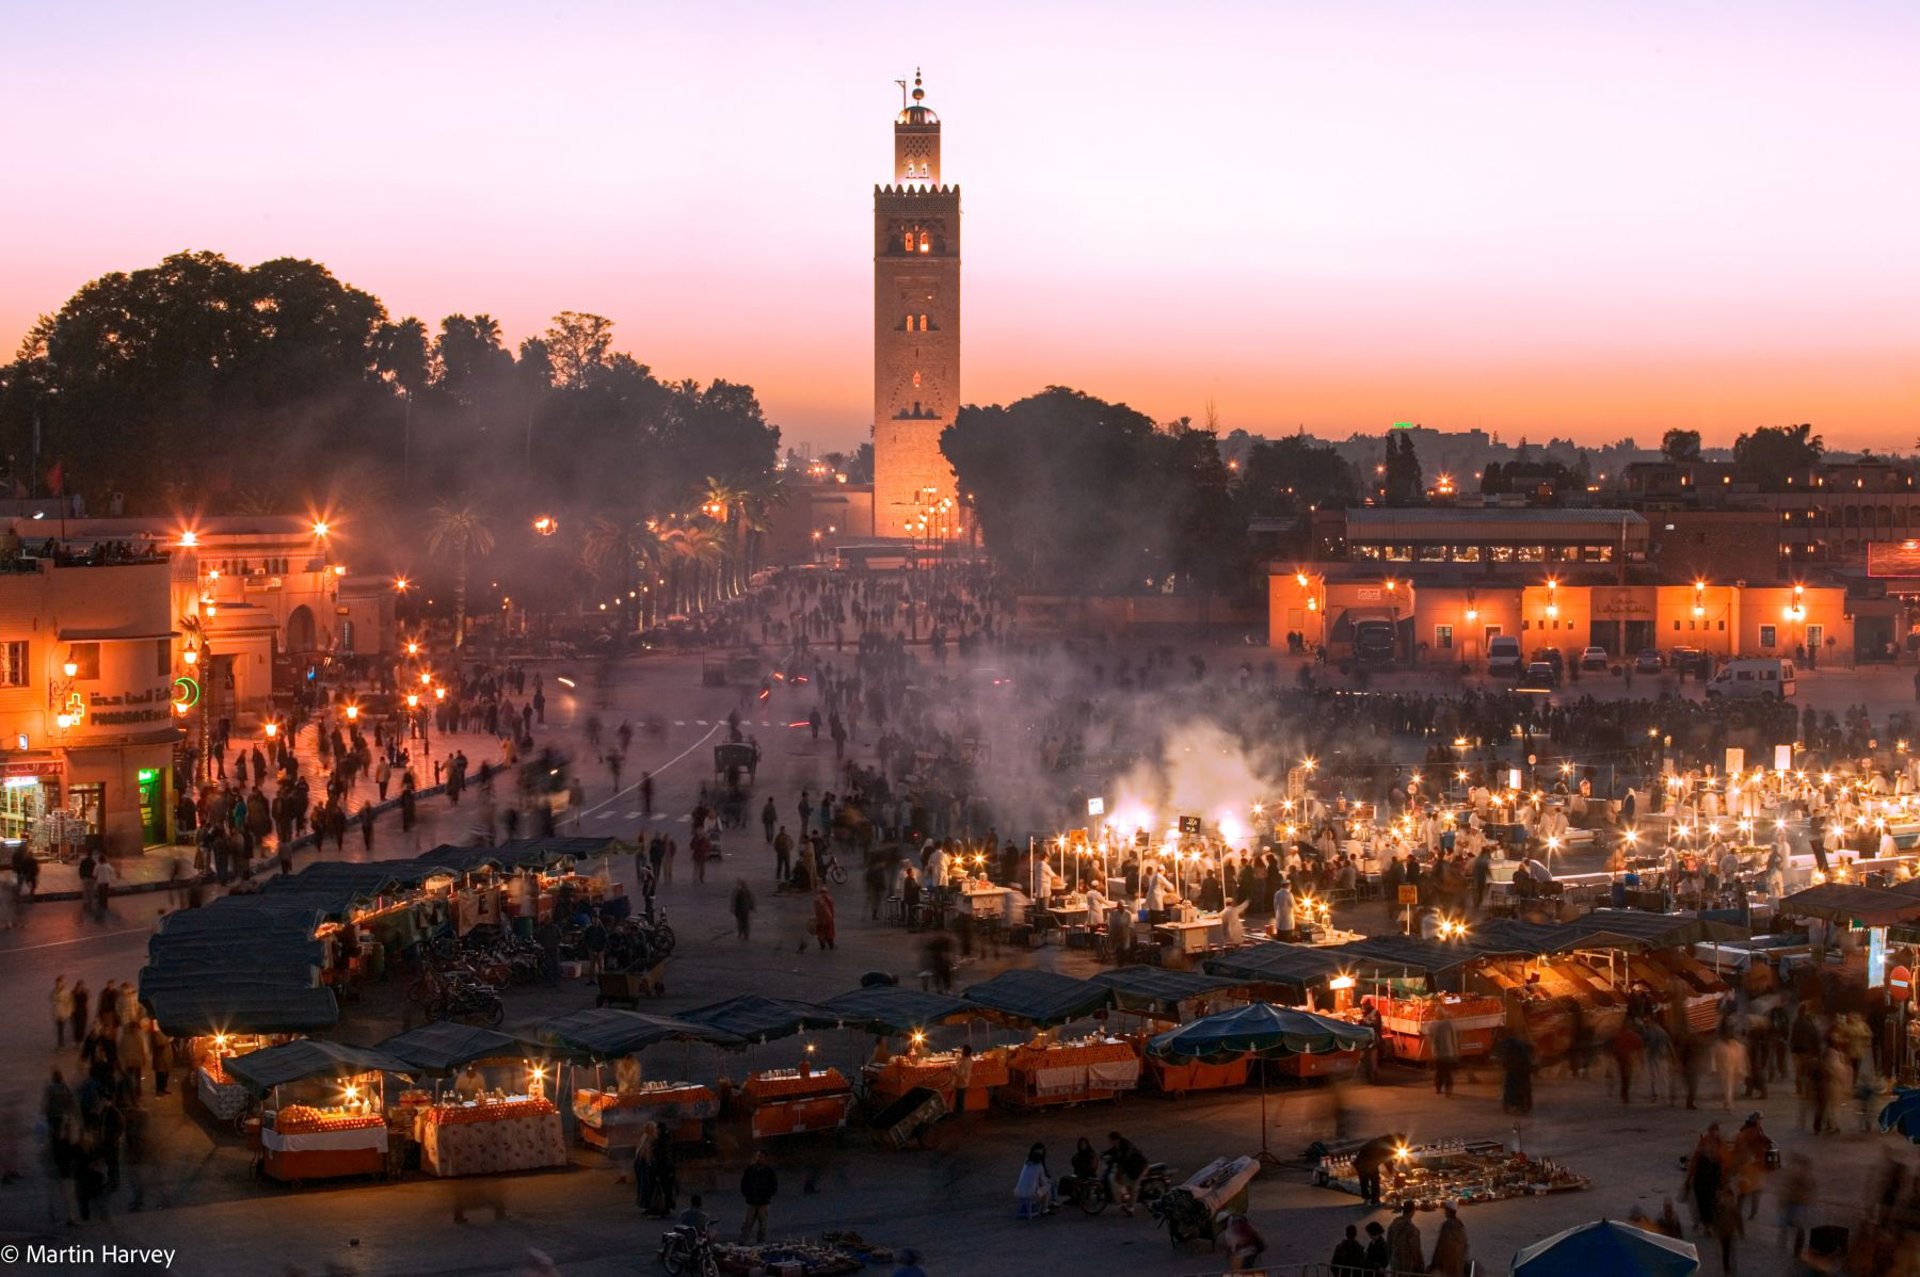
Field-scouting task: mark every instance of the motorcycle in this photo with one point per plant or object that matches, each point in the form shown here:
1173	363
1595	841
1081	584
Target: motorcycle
685	1249
1094	1193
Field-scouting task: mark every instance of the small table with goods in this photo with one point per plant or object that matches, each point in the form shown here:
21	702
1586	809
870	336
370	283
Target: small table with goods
223	1097
1467	1171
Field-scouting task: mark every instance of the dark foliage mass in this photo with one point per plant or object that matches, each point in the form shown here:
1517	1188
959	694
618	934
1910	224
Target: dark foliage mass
203	384
1078	495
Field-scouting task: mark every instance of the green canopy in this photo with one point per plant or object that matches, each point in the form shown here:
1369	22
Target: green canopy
261	1071
1259	1029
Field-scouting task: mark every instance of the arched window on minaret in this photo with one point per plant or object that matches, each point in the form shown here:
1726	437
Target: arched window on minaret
923	323
916	379
926	242
906	242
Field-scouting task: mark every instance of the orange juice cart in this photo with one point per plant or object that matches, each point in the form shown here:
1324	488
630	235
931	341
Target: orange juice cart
793	1101
336	1125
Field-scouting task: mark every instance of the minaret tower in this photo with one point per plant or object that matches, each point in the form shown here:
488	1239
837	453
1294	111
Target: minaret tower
916	332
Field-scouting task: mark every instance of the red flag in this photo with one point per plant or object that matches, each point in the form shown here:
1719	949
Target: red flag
55	479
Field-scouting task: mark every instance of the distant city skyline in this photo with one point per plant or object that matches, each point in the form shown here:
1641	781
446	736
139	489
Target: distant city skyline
1538	220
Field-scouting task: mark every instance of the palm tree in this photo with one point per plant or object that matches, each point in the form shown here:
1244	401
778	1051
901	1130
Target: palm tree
693	548
458	530
726	504
632	553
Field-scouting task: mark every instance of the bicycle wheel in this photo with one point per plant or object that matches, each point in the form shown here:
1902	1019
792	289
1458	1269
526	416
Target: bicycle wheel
837	875
663	942
1094	1199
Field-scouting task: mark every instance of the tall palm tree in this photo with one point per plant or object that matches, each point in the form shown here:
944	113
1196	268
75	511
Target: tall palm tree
694	549
726	504
457	530
631	552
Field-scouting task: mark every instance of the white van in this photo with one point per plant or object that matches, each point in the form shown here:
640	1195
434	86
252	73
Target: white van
1503	656
1768	678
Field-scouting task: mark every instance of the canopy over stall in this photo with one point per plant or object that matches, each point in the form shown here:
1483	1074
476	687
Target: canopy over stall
1619	1250
755	1018
604	1033
1626	928
446	1045
1848	902
1262	1029
1160	991
1292	970
886	1008
261	1071
1039	998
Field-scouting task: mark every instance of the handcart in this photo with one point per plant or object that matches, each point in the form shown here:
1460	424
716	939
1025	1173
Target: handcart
910	1118
628	987
1199	1208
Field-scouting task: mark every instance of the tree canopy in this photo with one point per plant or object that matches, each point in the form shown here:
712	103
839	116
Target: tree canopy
1077	495
203	384
1770	455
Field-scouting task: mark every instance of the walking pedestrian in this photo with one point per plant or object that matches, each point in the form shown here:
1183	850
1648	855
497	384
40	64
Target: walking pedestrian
1450	1247
823	919
743	907
62	1000
1406	1253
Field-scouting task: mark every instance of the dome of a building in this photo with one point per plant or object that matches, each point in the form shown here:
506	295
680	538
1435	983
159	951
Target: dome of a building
919	112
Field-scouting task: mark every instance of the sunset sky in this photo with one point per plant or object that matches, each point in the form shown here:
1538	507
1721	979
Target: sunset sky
1560	218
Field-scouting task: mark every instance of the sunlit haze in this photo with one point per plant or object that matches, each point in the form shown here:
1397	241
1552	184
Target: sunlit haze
1542	219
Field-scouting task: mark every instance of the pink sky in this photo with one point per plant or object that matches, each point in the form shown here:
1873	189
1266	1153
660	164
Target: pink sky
1566	218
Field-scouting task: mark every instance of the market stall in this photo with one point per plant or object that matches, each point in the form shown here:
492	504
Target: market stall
1160	994
499	1128
888	1080
1290	974
1045	1072
612	1117
339	1129
1466	1171
794	1101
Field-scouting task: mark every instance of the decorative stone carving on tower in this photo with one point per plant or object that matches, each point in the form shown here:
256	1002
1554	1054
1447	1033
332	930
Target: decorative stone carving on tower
916	332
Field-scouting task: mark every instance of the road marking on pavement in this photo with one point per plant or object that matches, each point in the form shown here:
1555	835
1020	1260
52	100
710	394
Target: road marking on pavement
610	799
679	722
699	722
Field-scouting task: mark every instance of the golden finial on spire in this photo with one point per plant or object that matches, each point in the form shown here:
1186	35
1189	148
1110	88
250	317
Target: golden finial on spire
919	94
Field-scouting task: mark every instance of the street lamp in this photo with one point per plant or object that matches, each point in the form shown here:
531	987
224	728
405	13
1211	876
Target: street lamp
546	525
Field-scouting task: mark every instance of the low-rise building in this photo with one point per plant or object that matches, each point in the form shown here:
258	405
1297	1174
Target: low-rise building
88	662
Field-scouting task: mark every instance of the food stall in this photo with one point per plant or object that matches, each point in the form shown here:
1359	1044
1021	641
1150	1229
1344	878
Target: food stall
335	1125
614	1118
1167	996
797	1100
1289	974
890	1079
1047	1070
514	1127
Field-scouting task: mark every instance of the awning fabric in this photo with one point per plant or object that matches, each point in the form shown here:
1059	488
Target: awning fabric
261	1071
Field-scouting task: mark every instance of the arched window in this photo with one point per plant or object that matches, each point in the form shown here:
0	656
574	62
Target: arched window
926	242
923	323
909	323
916	379
906	242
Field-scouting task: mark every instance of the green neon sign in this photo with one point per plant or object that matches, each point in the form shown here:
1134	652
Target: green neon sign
186	692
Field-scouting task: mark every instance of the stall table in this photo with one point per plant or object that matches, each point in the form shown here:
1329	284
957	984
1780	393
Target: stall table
1478	1021
611	1119
1070	1072
893	1079
1193	937
789	1102
984	902
519	1133
308	1144
223	1097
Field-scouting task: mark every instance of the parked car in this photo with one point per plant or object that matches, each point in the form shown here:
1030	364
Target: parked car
1648	662
1594	658
1539	677
1503	656
1767	678
1551	655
